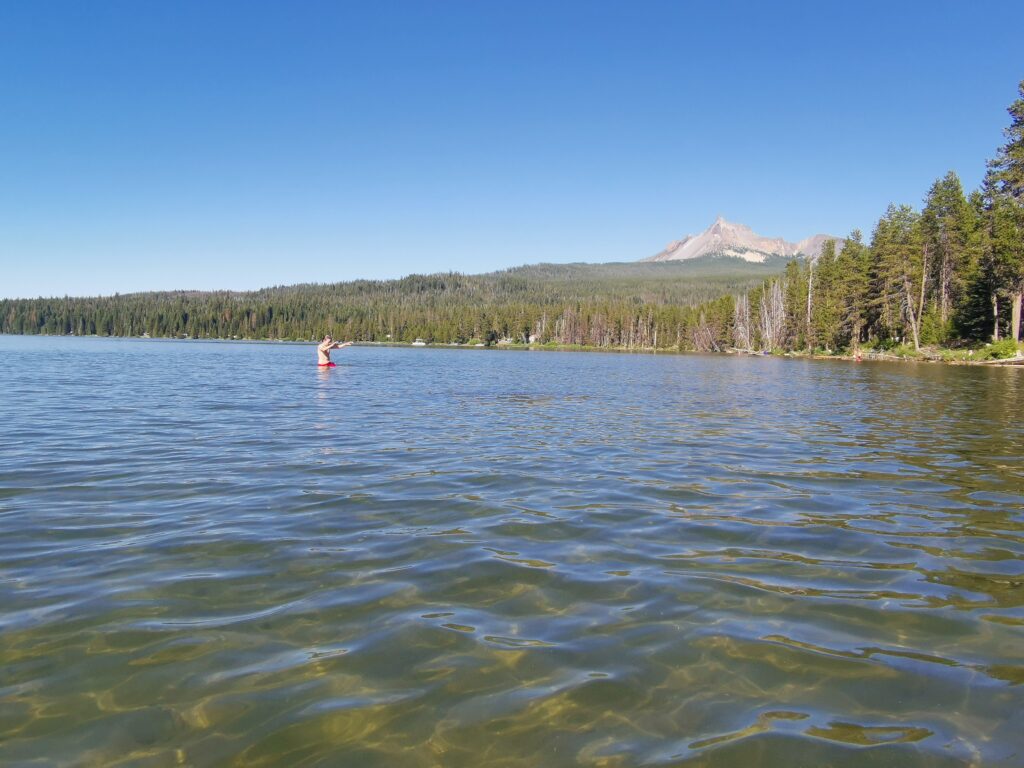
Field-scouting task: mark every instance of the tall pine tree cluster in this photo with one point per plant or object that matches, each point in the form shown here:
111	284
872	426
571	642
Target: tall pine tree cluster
949	274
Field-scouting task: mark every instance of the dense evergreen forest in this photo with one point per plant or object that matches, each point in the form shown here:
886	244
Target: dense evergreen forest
950	274
620	305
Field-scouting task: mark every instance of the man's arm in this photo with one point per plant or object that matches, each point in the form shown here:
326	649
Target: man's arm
338	345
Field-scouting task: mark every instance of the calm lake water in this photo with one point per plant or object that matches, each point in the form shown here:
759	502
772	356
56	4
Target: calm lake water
217	554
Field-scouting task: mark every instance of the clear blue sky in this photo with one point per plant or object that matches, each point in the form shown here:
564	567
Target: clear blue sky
160	145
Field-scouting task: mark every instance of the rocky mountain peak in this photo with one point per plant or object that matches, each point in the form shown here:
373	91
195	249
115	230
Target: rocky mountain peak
726	238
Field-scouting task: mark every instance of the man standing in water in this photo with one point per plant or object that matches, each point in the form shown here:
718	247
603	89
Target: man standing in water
323	351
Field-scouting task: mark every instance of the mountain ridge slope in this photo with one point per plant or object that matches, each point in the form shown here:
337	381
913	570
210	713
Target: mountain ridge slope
726	238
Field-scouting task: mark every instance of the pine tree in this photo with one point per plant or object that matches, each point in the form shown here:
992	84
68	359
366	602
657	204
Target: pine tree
853	283
826	311
972	311
1004	256
946	225
1007	211
899	272
795	304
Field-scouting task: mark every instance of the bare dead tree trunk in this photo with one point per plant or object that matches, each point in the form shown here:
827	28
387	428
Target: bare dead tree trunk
1015	316
924	282
704	336
945	276
995	316
741	323
773	317
908	304
810	286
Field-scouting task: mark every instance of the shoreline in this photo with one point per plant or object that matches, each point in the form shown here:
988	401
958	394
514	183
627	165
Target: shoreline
927	355
955	357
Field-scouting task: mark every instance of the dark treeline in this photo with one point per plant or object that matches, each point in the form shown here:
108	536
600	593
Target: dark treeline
638	305
949	274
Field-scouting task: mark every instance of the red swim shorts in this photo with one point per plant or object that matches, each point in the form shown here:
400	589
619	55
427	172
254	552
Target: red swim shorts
326	365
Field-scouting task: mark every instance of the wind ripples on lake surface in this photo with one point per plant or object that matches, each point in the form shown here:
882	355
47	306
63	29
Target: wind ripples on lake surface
217	554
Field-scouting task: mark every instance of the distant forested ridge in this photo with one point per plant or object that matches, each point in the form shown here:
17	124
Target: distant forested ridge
631	305
949	274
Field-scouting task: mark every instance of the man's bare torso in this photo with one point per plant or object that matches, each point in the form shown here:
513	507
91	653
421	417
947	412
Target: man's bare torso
323	350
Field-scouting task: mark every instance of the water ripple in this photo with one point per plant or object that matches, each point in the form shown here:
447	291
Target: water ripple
215	554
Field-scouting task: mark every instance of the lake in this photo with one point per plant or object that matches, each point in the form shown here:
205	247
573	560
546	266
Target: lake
218	554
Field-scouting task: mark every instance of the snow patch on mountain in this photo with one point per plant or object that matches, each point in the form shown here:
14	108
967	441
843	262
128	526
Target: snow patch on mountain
726	238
